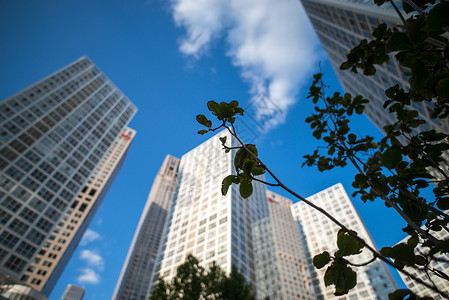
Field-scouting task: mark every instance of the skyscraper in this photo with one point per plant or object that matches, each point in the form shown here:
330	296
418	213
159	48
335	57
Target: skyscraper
282	271
73	292
341	25
137	271
53	135
320	234
56	251
206	224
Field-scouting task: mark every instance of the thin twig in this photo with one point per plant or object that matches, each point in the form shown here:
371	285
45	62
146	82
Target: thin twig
264	182
361	264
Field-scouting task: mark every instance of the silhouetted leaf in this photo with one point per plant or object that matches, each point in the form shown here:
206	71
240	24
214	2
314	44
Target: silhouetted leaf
322	259
391	158
246	188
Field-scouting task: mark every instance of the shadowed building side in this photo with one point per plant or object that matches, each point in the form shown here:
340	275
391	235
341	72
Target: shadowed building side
137	270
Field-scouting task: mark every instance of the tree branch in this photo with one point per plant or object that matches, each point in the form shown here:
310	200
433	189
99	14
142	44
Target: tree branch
338	223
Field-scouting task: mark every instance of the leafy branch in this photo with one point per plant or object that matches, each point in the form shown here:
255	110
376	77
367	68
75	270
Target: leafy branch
248	165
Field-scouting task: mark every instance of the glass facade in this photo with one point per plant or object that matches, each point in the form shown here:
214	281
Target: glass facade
138	269
320	234
341	25
281	263
53	134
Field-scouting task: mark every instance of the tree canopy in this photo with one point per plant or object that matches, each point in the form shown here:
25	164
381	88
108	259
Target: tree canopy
193	282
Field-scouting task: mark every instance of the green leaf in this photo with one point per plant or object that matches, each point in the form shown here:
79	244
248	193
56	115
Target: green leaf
443	203
226	183
352	138
442	87
420	260
248	165
252	148
345	279
240	158
212	106
234	103
402	253
203	131
397	42
342	276
399	294
347	244
441	246
322	259
391	157
329	276
225	110
317	133
204	121
438	17
380	30
223	140
258	170
246	188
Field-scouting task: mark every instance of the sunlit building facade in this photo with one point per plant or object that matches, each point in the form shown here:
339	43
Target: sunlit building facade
282	272
56	251
139	267
53	135
206	224
319	234
73	292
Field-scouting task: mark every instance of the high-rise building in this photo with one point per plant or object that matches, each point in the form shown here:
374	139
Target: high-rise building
73	292
319	234
341	25
137	271
438	264
56	251
206	224
281	272
53	135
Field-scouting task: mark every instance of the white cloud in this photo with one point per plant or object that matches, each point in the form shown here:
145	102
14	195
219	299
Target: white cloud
270	41
93	258
89	236
88	276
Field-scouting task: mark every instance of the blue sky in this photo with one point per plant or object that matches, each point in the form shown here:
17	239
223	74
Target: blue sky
170	58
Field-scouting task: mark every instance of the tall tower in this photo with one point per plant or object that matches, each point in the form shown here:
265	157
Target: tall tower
341	25
51	260
53	135
374	281
282	271
206	224
137	271
73	292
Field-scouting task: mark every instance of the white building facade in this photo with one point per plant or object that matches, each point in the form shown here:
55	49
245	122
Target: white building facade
206	224
282	272
319	234
139	267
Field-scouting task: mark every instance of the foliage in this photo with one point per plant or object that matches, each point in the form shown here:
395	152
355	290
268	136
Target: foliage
394	169
383	168
193	282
